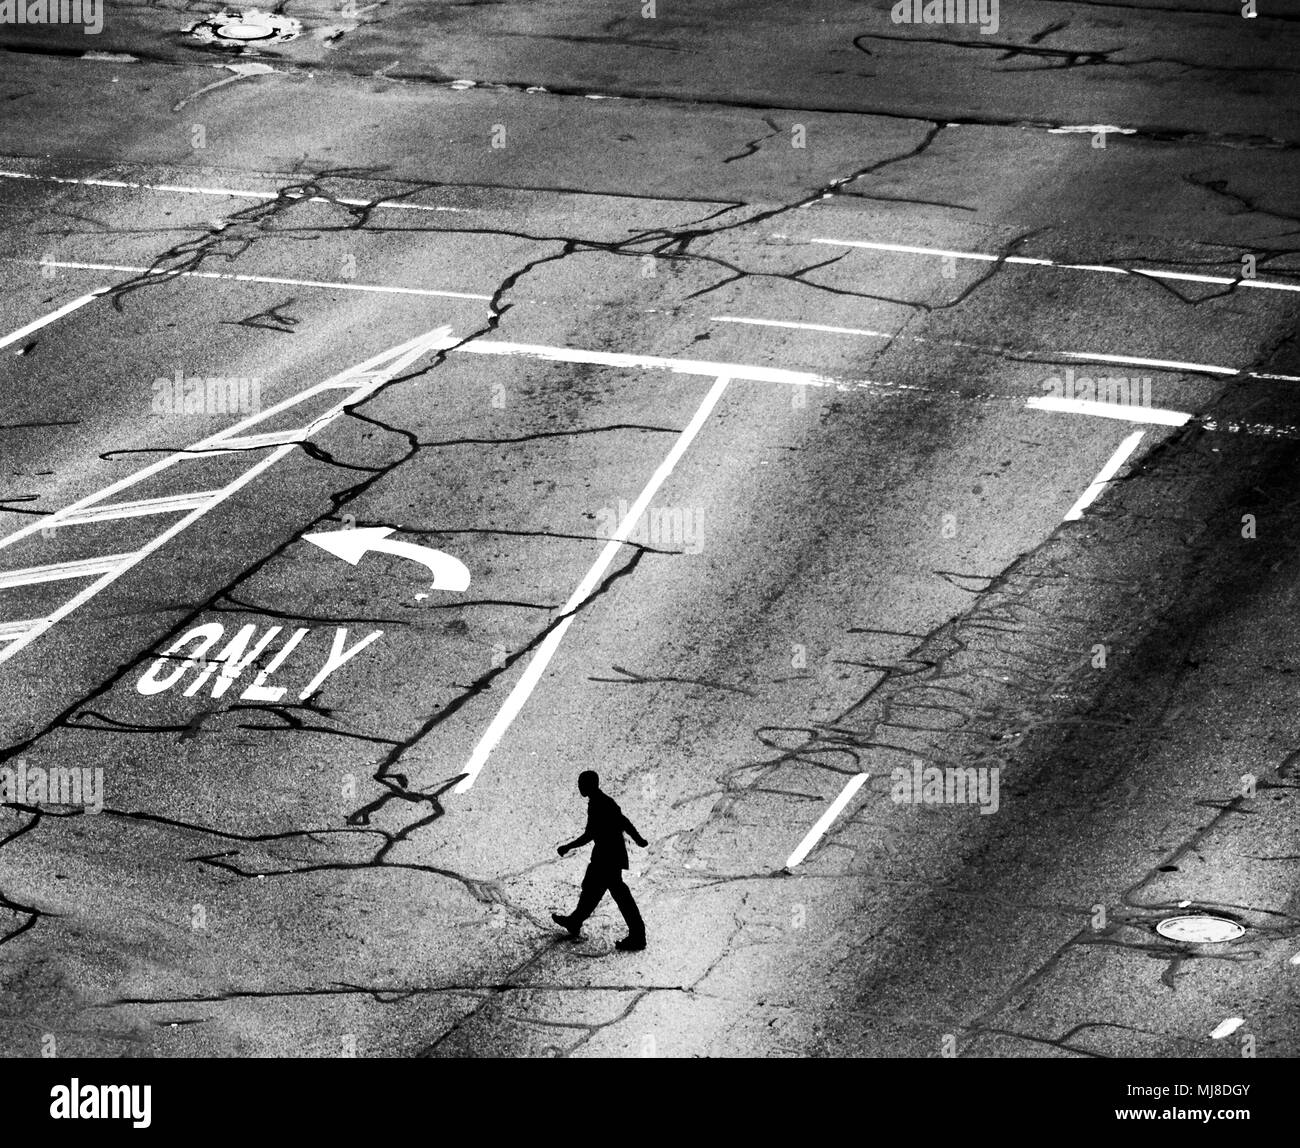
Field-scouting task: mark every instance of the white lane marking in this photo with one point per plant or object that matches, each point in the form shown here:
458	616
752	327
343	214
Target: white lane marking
165	504
52	317
824	822
1158	364
370	376
332	285
1026	261
546	650
1227	1027
61	571
658	362
1107	472
1083	356
1091	129
237	193
1127	411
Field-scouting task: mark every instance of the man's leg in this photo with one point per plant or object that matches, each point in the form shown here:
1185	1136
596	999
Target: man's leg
594	884
627	906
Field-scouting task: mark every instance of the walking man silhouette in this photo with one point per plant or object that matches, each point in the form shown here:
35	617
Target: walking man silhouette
606	825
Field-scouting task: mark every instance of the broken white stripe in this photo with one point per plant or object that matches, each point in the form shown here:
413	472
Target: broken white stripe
52	317
1227	1027
1108	472
825	821
1027	261
234	192
331	285
546	650
1133	414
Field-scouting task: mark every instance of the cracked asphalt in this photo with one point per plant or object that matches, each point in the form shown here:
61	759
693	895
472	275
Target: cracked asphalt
752	359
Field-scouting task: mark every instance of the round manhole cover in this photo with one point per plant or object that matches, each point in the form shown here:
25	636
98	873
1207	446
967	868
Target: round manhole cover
235	29
1200	929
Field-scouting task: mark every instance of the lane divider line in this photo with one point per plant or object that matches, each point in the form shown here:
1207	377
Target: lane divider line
545	651
1078	356
325	284
1027	261
237	193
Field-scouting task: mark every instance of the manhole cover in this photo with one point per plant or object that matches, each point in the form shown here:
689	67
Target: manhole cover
1199	929
236	29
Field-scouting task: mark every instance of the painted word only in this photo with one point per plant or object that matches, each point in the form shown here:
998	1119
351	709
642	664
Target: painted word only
191	652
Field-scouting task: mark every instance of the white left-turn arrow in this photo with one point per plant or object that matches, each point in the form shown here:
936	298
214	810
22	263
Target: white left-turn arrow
351	545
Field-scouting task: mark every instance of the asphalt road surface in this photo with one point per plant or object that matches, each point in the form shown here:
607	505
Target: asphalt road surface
871	446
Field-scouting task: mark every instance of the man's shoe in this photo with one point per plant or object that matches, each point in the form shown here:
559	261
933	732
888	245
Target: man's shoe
630	944
564	922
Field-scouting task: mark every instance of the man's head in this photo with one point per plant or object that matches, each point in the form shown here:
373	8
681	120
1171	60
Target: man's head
588	782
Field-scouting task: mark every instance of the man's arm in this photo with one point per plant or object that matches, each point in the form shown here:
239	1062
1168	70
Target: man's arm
578	842
630	829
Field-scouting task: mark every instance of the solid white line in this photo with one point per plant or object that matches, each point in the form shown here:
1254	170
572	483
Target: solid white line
835	808
330	285
1126	448
546	650
1082	356
238	193
66	309
1026	261
1126	411
680	366
11	630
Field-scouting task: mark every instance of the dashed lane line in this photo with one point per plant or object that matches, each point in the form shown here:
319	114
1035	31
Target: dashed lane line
1078	356
229	192
1028	261
328	284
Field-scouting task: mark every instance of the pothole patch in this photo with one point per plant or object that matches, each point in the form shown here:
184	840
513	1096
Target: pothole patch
238	29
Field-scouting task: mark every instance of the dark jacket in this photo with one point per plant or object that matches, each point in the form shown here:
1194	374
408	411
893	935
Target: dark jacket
606	826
